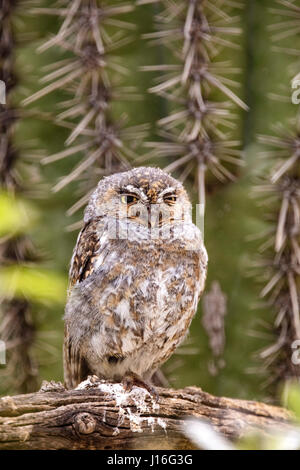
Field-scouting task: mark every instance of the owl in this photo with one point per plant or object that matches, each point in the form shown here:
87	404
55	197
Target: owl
137	271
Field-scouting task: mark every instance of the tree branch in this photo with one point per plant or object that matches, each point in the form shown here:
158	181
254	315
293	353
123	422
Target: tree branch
100	415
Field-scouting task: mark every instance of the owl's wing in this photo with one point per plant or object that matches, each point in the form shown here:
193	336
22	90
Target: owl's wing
75	367
84	255
82	266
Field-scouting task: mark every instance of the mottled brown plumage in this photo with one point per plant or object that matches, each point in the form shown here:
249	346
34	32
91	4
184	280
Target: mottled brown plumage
137	271
84	257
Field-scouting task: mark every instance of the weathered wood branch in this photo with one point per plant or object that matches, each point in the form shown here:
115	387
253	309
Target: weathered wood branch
103	416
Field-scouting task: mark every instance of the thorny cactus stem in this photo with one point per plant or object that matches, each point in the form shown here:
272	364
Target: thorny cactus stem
280	262
281	254
91	31
17	329
196	133
8	114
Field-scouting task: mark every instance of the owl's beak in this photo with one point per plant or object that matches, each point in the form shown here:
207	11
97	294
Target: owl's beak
151	217
150	221
145	221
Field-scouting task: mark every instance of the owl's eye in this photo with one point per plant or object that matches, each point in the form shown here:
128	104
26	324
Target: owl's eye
170	199
129	199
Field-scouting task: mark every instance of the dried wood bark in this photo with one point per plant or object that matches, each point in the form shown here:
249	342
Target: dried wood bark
103	416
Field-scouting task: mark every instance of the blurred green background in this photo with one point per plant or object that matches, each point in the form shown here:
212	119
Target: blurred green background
232	215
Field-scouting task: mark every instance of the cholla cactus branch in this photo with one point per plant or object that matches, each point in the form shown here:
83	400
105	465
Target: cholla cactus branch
282	264
17	328
196	134
18	332
92	31
280	192
287	27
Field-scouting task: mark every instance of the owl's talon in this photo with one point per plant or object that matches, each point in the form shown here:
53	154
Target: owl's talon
133	380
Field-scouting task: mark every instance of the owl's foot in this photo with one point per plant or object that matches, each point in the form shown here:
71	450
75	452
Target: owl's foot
131	380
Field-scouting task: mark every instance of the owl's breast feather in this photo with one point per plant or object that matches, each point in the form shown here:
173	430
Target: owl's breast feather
138	296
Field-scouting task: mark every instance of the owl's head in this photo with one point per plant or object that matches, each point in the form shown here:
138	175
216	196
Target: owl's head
145	196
